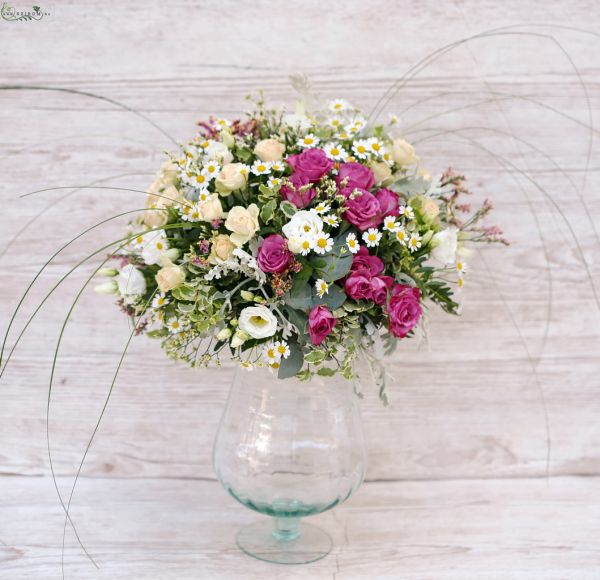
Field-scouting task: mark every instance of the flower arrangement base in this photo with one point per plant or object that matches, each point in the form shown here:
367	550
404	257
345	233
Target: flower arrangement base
284	541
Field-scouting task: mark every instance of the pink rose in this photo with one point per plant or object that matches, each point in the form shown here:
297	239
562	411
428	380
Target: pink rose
320	324
380	286
291	192
363	210
363	260
358	285
273	255
404	309
388	202
358	175
312	164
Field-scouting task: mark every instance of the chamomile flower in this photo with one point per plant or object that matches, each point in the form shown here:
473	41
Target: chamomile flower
460	283
248	365
387	156
401	235
306	245
155	246
323	243
321	287
175	326
185	210
414	243
274	182
352	243
270	353
335	151
261	167
220	124
331	220
204	143
356	125
160	300
335	122
278	166
203	196
321	208
282	348
390	224
376	146
343	135
210	169
361	148
244	170
201	180
338	105
461	267
309	140
407	211
193	215
372	237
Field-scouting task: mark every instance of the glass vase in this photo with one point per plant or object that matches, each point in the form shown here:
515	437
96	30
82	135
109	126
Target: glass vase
289	449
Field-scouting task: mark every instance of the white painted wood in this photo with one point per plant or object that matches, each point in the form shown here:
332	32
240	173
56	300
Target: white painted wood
470	406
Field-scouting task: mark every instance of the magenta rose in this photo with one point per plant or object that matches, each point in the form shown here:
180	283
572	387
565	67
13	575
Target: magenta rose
320	324
388	202
273	255
380	286
312	164
357	175
404	309
292	191
362	260
358	285
363	210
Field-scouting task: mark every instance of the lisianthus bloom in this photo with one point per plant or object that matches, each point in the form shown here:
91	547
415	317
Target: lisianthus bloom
293	192
273	254
363	209
320	324
312	164
258	322
356	175
404	309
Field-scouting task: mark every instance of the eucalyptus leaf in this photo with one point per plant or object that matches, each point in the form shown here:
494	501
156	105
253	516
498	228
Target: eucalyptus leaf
410	185
292	364
334	265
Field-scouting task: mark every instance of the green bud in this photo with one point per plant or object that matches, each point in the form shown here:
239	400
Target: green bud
259	299
109	287
108	272
224	334
247	296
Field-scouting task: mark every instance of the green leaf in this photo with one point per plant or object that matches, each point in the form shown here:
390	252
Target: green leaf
334	298
299	319
334	265
268	211
315	356
326	372
288	209
410	185
292	364
244	153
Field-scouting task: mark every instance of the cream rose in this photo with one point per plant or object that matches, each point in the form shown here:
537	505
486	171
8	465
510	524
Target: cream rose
258	321
231	178
243	222
221	249
169	277
403	152
212	209
269	150
381	171
154	216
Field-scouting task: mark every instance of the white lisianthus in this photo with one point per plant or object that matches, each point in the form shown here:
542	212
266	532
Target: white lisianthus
154	246
304	224
218	151
258	322
445	244
131	281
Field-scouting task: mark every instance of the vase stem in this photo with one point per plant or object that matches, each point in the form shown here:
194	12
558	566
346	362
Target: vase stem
286	529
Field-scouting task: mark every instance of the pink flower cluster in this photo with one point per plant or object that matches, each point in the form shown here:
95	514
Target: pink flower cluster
320	324
365	281
309	166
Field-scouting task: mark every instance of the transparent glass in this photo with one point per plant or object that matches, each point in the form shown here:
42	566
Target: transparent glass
289	449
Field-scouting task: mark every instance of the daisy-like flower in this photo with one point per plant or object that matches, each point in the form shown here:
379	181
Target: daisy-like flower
461	267
309	140
339	105
244	170
407	211
376	146
277	166
185	210
210	169
261	167
352	243
274	182
321	208
204	143
331	220
414	243
282	348
203	196
372	237
401	235
387	156
201	180
220	124
390	224
323	243
159	301
335	122
343	135
460	283
175	326
361	148
321	287
194	214
270	353
335	151
246	364
306	245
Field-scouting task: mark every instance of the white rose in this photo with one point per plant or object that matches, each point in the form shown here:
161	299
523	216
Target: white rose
243	222
212	209
169	277
154	247
302	225
217	151
231	178
258	321
131	281
269	150
445	244
403	152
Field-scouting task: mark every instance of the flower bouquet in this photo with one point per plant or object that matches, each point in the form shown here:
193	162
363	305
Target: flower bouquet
295	242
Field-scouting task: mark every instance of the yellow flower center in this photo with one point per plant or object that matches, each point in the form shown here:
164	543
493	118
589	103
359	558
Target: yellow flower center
200	178
159	246
361	149
258	321
322	243
281	349
376	146
335	151
305	245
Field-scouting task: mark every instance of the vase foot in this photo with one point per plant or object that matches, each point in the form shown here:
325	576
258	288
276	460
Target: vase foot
292	545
